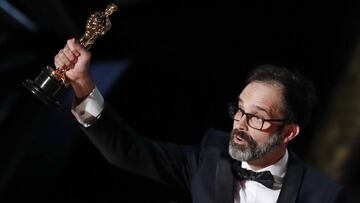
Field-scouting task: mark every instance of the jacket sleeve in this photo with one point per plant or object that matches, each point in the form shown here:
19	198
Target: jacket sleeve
167	163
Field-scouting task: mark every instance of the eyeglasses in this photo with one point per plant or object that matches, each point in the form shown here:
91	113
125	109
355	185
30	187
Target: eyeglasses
252	120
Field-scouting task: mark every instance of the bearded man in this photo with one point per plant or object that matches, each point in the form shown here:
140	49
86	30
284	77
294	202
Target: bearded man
252	164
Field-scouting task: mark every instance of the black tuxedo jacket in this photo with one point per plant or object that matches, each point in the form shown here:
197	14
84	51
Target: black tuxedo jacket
203	170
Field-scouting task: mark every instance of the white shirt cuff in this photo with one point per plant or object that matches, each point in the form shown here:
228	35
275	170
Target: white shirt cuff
89	110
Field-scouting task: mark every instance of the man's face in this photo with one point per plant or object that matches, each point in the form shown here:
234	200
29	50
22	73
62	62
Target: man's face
265	100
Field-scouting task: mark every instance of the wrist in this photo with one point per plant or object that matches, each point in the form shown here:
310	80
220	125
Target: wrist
82	87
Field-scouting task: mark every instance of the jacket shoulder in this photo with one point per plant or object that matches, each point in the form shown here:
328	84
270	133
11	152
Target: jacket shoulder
317	186
320	180
214	141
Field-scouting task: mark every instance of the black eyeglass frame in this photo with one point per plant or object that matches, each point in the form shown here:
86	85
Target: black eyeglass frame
233	109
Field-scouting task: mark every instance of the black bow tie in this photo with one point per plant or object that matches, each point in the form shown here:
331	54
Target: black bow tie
265	177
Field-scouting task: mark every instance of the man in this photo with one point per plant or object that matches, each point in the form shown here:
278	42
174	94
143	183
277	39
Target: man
251	165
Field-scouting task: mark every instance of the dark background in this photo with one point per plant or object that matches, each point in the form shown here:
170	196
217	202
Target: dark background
184	60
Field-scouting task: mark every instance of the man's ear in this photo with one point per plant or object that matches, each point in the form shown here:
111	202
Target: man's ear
290	132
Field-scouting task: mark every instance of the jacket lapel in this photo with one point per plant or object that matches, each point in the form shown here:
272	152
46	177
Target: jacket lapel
224	181
292	181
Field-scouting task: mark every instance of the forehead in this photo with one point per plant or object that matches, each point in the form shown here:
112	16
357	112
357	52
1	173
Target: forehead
263	95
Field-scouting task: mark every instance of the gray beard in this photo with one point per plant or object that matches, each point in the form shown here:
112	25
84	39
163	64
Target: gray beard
252	150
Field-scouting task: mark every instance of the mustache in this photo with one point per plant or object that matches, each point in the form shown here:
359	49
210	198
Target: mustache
243	135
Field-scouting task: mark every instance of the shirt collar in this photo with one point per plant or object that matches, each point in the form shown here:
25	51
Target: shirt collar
278	169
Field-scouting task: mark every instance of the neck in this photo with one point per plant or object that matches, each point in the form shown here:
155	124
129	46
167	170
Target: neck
268	159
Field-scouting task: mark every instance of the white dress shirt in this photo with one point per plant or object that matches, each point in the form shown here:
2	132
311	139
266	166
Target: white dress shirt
89	110
249	191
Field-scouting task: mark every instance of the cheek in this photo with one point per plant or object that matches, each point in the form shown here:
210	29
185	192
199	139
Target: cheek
259	137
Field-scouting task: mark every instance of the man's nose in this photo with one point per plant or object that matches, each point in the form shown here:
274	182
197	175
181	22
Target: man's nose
240	122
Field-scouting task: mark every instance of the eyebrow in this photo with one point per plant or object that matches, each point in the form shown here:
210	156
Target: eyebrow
256	106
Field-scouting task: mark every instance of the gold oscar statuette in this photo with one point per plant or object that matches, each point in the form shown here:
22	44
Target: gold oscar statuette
50	82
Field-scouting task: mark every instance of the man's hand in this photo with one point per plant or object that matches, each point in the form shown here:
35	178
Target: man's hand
77	59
